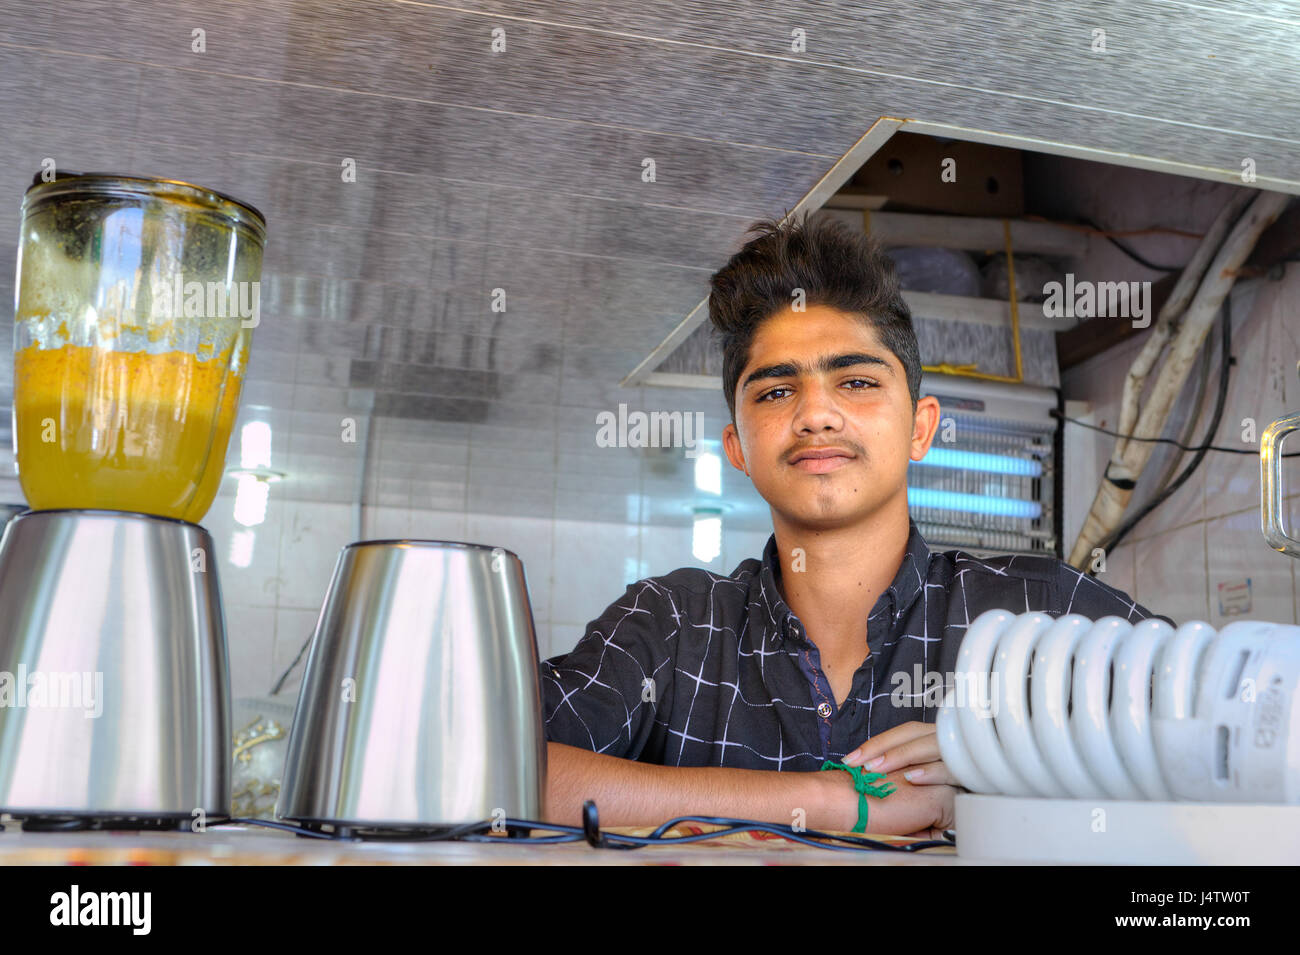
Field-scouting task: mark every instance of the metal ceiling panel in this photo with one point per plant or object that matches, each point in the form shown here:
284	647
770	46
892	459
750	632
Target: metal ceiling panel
522	170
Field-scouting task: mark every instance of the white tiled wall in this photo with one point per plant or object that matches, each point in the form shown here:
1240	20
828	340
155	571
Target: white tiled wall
574	570
1207	535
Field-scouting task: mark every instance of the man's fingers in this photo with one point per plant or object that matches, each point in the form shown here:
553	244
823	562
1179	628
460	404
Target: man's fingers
889	739
930	774
913	752
918	752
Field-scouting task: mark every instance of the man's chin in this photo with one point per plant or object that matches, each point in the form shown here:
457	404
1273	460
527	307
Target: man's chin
829	518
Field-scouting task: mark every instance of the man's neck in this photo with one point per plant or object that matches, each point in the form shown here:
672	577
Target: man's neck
832	579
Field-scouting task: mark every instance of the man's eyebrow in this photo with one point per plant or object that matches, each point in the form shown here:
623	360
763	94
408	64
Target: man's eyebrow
792	369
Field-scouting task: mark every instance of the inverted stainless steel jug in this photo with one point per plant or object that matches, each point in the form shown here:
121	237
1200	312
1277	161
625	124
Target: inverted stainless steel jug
420	704
114	686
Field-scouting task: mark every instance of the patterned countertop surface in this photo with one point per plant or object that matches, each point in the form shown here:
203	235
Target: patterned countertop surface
253	845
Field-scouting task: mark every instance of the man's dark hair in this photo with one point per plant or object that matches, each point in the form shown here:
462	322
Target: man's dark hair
834	265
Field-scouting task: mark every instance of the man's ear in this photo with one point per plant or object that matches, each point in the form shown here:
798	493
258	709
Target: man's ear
731	444
925	421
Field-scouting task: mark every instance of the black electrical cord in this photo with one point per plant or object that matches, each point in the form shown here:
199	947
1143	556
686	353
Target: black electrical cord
1225	372
1195	420
1131	253
1207	447
1178	444
591	833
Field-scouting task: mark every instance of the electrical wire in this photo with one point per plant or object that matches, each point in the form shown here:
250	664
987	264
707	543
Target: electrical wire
285	675
1127	250
591	833
1207	447
1221	400
1193	424
1118	233
1171	470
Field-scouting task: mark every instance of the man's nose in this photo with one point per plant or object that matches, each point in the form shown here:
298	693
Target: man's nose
817	410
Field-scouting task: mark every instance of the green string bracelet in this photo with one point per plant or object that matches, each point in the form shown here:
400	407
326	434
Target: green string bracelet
862	782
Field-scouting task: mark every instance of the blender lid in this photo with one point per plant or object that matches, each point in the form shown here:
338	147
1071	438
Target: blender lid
63	175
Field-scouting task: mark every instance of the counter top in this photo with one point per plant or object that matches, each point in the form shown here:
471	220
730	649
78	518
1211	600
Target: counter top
256	845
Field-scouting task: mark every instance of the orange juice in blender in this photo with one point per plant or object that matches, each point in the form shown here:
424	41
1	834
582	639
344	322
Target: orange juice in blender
139	438
127	368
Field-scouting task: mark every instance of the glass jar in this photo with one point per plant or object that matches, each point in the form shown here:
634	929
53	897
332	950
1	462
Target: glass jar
136	300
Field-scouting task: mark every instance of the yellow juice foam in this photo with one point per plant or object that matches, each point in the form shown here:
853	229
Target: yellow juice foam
124	431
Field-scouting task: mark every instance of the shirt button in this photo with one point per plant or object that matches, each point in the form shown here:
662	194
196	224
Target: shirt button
824	710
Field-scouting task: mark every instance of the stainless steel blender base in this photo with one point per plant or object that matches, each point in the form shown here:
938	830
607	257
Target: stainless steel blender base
114	673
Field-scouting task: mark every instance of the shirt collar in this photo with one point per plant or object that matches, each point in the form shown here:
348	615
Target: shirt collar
778	620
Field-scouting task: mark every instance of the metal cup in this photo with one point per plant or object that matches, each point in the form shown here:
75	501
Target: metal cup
420	705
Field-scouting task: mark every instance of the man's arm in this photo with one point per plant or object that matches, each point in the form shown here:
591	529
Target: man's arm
596	697
1078	592
630	793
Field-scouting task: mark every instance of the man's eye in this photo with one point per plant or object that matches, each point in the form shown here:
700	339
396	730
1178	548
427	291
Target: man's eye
862	381
768	394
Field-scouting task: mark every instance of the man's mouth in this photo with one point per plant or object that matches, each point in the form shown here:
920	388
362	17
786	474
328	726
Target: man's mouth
821	460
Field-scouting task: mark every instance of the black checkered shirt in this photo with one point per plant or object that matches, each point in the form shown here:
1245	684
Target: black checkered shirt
695	669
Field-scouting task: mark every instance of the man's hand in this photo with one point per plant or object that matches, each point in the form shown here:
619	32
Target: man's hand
912	748
919	811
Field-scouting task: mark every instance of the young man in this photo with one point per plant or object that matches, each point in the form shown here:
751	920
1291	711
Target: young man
701	694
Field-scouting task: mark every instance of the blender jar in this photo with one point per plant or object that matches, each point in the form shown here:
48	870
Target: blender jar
136	300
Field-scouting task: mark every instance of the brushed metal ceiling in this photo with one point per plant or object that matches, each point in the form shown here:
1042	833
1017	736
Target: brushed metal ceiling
522	170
